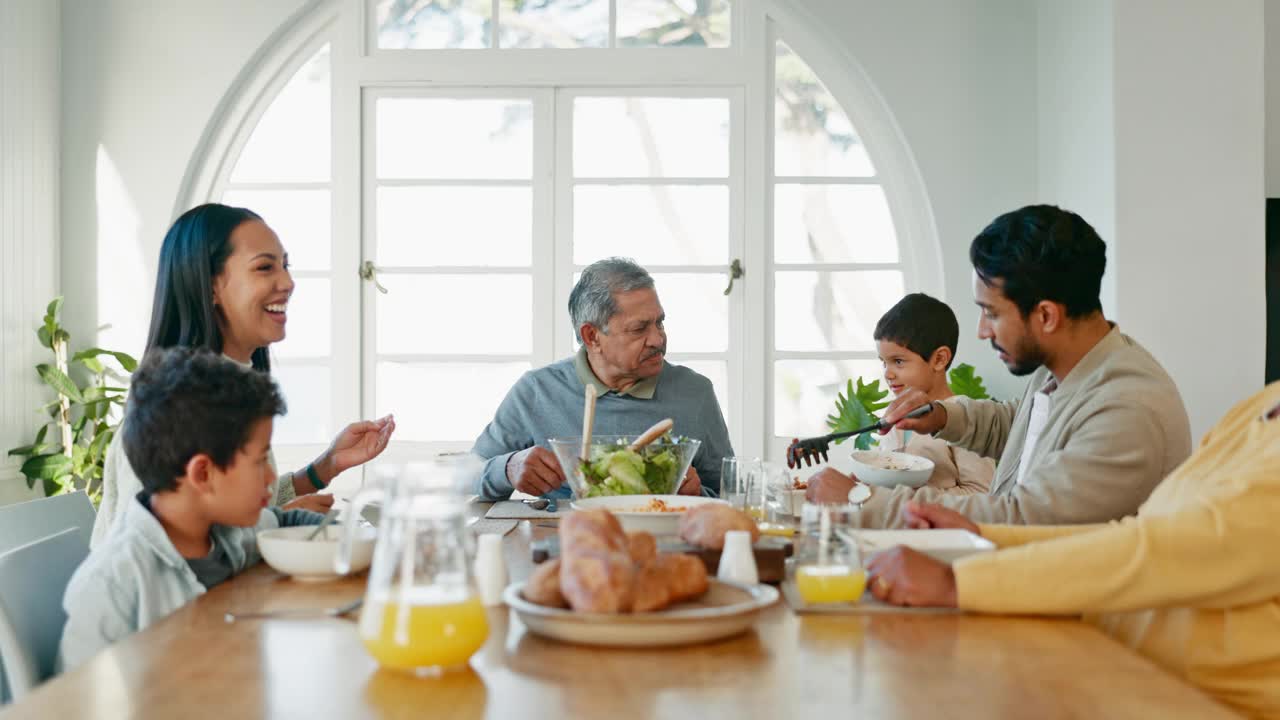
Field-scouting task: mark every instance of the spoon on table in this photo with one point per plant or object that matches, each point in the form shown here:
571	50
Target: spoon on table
548	504
329	517
297	612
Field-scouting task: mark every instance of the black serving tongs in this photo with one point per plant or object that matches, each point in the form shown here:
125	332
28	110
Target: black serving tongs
811	450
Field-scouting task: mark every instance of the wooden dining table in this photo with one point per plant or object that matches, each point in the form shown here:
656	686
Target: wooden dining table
194	664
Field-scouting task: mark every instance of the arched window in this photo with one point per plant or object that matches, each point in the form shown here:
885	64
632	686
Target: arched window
441	171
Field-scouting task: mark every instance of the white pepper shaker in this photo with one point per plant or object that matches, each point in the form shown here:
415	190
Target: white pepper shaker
738	560
490	569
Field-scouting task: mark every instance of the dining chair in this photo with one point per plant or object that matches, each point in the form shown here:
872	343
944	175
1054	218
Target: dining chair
23	522
33	578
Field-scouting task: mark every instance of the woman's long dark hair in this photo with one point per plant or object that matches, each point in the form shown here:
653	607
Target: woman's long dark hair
194	252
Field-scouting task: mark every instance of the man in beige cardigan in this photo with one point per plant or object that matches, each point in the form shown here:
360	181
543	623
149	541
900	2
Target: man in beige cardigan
1100	423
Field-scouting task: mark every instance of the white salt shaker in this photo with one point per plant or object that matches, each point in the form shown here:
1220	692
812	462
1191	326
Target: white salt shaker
490	569
737	560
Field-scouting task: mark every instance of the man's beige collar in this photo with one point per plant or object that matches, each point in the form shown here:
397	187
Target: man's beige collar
643	389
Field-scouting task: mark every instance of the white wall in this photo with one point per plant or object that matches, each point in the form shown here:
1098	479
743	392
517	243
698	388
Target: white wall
960	79
29	35
1190	148
1271	25
140	81
1075	91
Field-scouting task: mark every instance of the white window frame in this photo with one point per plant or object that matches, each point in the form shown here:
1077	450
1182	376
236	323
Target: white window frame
746	67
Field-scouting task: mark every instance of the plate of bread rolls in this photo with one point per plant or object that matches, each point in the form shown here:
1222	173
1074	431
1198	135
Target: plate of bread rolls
613	588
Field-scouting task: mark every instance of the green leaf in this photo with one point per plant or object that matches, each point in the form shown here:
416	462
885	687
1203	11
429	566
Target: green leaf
58	380
94	364
46	467
855	409
45	335
125	359
964	381
28	450
40	436
55	307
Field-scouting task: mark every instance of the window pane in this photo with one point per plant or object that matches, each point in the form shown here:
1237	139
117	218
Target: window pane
813	135
457	314
553	24
717	371
433	24
832	310
291	141
306	391
425	226
832	223
697	311
434	138
694	23
443	401
804	393
651	137
656	224
299	217
307	331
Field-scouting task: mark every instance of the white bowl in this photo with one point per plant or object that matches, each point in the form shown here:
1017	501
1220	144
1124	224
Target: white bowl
627	509
889	469
288	551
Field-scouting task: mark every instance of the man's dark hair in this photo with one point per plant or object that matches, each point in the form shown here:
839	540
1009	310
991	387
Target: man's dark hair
921	324
187	401
1042	252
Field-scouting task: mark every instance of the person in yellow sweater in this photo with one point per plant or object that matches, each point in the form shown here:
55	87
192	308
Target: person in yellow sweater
1191	581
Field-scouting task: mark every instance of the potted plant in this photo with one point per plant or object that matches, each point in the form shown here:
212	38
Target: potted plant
859	405
83	418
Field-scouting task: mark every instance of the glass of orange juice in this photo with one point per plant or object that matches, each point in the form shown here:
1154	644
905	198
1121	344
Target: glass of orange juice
421	612
828	565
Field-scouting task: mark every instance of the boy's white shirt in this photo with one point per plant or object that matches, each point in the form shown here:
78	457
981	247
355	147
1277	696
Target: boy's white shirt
136	576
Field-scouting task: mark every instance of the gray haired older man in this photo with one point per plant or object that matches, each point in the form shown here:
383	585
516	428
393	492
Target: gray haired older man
618	321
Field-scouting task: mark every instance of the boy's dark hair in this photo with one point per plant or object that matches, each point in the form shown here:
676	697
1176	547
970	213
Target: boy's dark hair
187	401
1042	252
921	324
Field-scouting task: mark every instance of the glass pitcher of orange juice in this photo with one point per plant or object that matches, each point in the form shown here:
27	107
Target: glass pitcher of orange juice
421	611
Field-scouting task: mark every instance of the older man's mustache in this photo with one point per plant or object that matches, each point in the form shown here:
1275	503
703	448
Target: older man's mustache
655	352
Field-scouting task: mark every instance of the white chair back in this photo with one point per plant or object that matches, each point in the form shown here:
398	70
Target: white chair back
33	579
23	522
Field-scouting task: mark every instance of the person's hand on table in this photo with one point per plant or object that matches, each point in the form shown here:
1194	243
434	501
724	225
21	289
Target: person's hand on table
929	423
315	502
923	516
902	576
692	484
535	471
829	487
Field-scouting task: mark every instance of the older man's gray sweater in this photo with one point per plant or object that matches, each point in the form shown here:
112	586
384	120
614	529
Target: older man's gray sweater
548	402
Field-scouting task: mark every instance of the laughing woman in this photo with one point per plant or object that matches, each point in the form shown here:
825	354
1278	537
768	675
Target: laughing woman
224	284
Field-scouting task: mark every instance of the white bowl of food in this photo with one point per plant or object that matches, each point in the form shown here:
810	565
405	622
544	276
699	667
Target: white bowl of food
890	469
287	550
656	514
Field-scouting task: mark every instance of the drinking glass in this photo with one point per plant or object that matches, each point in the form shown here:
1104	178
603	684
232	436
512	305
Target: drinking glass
828	565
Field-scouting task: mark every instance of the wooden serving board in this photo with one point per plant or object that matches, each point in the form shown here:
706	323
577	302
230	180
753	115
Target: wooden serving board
771	554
